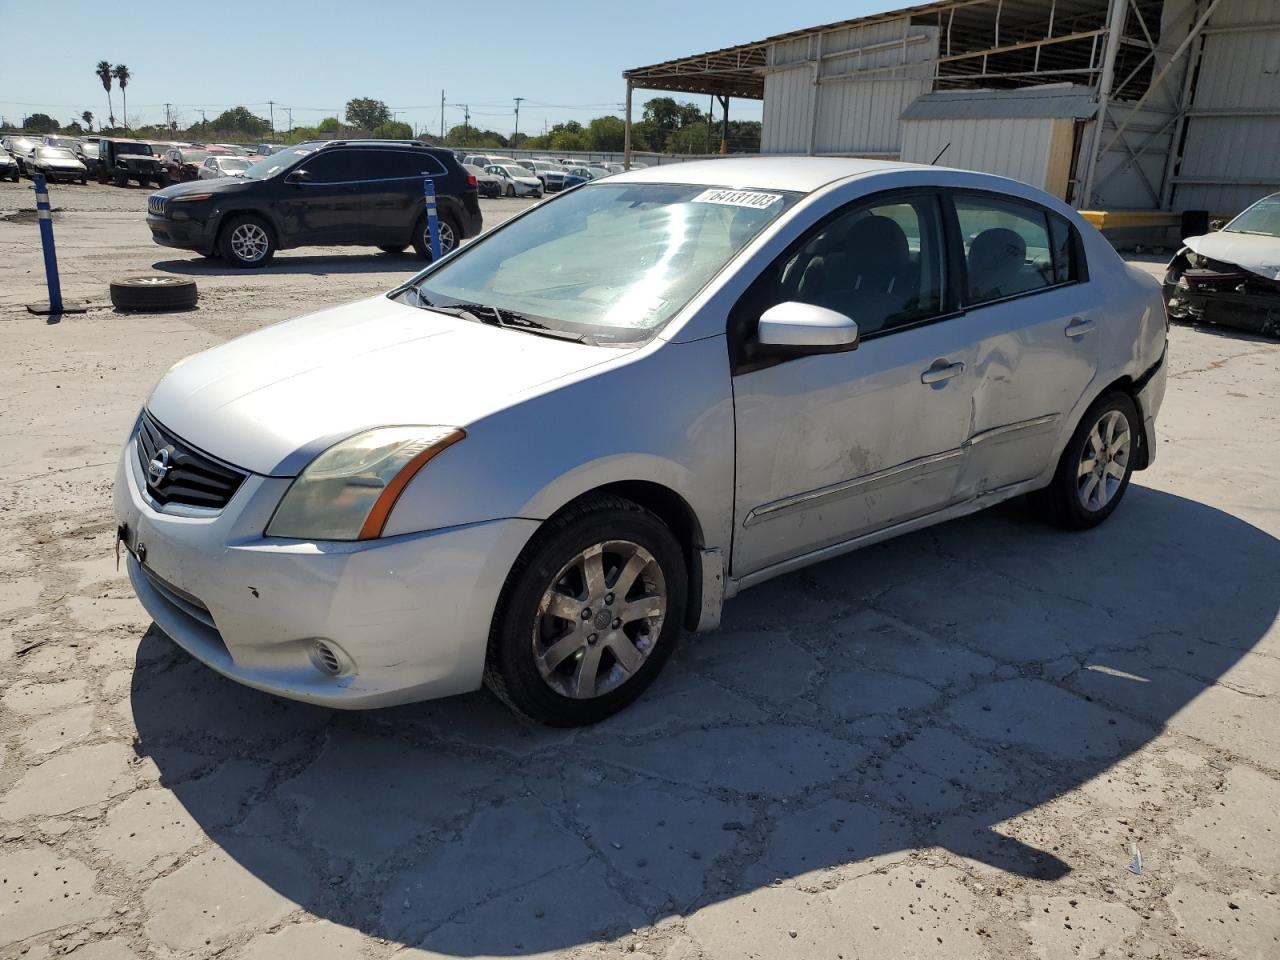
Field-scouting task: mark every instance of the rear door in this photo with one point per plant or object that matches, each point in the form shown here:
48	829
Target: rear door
1027	298
392	191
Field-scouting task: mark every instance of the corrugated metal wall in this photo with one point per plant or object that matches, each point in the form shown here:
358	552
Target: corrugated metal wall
1021	149
1239	71
864	79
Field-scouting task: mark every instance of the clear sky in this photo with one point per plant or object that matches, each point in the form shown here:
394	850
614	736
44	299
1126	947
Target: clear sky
314	56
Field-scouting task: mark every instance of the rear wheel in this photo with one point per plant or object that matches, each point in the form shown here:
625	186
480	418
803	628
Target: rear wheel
121	180
450	236
589	614
246	241
1094	470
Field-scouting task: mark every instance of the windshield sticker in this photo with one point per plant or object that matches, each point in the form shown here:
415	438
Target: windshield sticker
739	198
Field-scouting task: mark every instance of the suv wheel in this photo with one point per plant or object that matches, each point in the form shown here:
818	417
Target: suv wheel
450	235
246	241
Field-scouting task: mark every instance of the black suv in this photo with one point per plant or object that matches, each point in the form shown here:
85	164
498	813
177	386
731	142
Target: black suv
342	192
123	160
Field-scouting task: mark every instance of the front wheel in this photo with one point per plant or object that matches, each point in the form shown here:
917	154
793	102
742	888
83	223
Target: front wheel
511	191
1094	470
247	242
392	248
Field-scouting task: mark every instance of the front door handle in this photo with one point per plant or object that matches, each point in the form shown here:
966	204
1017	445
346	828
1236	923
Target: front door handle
941	370
1078	327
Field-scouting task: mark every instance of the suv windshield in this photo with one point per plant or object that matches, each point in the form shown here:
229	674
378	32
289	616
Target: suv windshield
1263	218
139	148
270	166
610	262
55	153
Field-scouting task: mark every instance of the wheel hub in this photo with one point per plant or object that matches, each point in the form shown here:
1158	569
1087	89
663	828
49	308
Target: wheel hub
1104	461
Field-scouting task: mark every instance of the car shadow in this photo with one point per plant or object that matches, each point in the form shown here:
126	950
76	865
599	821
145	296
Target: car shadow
917	694
305	264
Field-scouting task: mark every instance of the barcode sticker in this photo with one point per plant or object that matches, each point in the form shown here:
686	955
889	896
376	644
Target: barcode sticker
738	198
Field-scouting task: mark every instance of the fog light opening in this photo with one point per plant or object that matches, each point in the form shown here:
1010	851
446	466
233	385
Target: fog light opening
326	659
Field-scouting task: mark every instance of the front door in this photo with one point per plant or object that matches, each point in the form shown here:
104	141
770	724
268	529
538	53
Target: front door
833	446
323	207
1036	331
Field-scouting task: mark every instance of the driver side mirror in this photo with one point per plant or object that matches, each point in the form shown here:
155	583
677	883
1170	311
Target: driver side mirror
793	329
298	176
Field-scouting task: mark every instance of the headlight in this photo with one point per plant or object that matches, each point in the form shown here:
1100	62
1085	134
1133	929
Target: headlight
348	491
1194	259
190	198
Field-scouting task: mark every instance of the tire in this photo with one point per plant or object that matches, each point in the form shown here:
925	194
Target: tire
121	180
153	293
1080	498
590	679
450	236
84	181
245	233
163	181
511	191
392	248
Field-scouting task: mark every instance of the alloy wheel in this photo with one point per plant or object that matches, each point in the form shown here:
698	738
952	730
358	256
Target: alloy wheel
599	619
1104	461
249	242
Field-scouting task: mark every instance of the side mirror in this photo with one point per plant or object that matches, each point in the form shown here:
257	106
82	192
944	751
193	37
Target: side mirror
799	328
298	176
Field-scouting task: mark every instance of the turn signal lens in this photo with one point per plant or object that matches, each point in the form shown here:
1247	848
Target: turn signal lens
348	492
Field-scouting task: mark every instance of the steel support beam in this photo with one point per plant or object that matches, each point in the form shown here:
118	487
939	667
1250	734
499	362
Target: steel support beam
1115	29
626	131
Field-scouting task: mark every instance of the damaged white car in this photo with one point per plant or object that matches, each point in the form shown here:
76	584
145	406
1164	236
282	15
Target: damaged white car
1231	277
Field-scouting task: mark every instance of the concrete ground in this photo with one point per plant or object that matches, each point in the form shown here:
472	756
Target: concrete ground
955	744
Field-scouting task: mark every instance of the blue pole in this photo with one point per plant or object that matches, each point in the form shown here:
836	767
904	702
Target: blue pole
44	213
433	223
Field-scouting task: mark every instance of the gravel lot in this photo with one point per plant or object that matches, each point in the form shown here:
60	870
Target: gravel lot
945	746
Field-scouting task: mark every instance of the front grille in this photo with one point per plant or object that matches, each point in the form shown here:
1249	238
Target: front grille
155	205
178	473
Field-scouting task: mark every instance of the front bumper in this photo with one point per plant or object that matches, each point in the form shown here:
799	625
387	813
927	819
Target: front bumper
409	616
196	235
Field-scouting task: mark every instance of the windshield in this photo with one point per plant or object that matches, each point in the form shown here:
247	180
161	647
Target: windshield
1263	217
270	166
89	149
192	156
514	172
55	153
139	148
233	163
61	142
610	262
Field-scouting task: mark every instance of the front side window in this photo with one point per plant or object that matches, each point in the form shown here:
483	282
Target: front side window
1012	248
881	264
613	262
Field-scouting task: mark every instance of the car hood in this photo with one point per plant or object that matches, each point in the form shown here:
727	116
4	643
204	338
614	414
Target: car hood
225	184
1253	252
270	401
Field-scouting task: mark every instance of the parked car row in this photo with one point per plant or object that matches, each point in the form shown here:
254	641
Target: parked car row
553	174
121	159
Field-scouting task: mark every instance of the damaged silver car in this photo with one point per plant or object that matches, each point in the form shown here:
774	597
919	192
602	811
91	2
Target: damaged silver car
1231	277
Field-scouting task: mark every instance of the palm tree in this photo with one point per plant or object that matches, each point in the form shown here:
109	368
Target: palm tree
87	117
104	74
121	73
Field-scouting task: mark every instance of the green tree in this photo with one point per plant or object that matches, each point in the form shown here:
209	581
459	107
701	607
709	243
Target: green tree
41	123
393	130
466	136
240	120
104	74
662	117
73	129
694	138
606	133
367	113
87	117
122	75
329	125
568	136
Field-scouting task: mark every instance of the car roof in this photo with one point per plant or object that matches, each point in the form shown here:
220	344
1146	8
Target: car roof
802	174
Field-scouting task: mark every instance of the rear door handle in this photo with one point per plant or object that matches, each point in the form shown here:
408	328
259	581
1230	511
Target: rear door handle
940	371
1078	327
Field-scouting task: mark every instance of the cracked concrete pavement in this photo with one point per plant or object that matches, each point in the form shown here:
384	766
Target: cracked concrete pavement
943	746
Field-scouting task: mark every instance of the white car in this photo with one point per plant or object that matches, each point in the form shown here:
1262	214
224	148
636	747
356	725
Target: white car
223	165
541	459
516	180
487	184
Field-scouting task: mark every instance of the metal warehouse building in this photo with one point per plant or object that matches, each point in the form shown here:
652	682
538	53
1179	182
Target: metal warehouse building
1158	105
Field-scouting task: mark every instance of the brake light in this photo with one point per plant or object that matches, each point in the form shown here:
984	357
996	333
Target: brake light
471	179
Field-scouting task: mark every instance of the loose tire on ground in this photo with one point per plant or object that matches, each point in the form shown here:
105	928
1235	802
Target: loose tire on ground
525	612
1102	451
154	292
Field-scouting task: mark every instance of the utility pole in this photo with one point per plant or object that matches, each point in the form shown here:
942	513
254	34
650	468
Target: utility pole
466	121
515	136
272	105
168	124
204	123
442	116
290	110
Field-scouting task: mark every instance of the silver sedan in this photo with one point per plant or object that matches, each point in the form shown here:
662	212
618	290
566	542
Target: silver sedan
540	460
